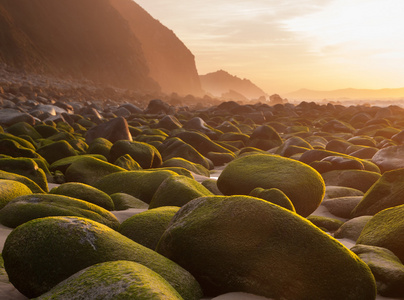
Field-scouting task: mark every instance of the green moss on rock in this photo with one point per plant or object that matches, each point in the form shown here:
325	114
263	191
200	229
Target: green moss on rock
28	207
242	243
301	184
147	227
10	189
123	201
386	229
114	280
183	163
85	192
385	193
274	196
140	184
43	252
177	191
90	169
25	180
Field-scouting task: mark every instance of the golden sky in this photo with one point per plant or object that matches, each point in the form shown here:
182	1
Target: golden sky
285	45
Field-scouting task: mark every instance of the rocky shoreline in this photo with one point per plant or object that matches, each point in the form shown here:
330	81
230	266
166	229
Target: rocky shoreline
194	198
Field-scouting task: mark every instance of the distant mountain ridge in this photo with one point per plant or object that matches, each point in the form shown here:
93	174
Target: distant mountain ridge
220	83
112	42
349	93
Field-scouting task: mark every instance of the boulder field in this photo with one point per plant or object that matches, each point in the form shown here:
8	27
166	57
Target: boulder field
155	201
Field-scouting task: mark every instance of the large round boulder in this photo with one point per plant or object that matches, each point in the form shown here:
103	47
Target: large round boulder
146	228
140	184
43	252
84	192
386	229
25	180
146	155
28	207
114	280
89	170
245	244
389	158
10	189
301	184
385	193
177	191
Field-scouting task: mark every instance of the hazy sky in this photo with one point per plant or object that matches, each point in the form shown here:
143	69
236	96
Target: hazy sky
285	45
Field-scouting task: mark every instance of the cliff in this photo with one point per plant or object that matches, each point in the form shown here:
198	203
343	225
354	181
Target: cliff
170	62
112	42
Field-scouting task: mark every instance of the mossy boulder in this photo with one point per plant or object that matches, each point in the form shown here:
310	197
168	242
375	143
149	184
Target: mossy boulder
178	170
139	184
183	163
10	189
100	146
85	192
386	229
28	207
357	179
274	196
24	143
220	159
46	130
211	185
14	149
211	236
123	201
146	155
301	184
23	128
177	191
385	193
201	142
25	180
90	169
128	163
64	163
43	252
387	269
175	147
26	167
264	137
56	150
146	228
288	147
114	280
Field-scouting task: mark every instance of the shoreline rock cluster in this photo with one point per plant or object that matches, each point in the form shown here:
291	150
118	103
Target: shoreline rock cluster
256	229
